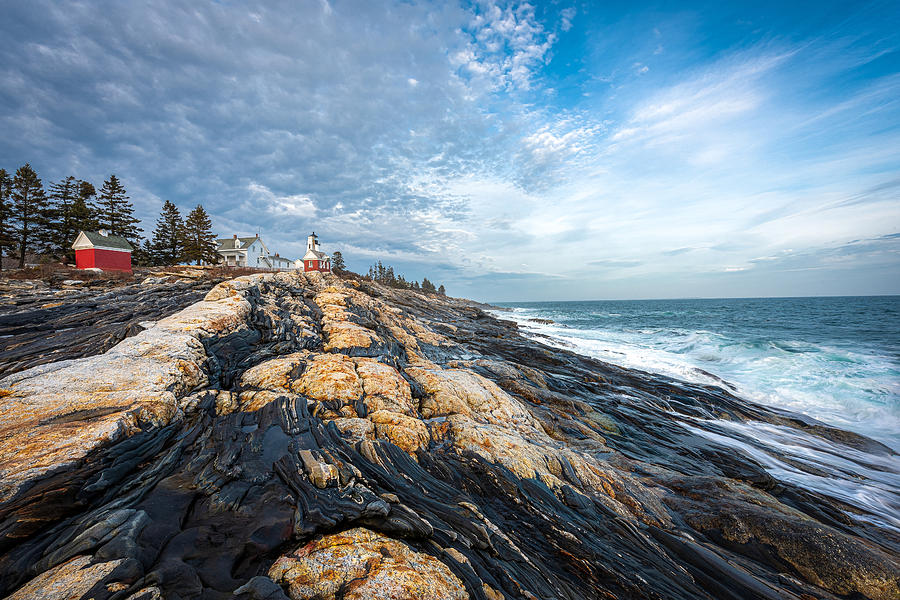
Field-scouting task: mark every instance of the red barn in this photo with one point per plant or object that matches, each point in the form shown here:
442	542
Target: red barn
102	250
314	260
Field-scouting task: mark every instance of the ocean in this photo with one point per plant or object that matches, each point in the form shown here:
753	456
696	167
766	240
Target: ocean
835	359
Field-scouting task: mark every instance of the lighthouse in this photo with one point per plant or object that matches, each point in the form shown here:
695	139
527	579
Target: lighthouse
314	260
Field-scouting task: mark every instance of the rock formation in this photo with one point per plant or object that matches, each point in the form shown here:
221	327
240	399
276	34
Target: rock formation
40	323
301	436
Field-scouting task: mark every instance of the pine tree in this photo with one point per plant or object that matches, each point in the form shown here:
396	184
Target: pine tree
86	190
83	218
84	213
337	262
168	237
62	227
29	212
427	286
142	256
5	212
116	213
199	240
442	291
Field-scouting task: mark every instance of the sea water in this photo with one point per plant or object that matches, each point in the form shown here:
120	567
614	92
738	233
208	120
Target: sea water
836	359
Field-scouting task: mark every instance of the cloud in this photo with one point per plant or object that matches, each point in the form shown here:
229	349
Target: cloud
506	45
611	263
567	15
295	205
470	139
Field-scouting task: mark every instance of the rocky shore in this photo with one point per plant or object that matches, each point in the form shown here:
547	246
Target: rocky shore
43	322
301	436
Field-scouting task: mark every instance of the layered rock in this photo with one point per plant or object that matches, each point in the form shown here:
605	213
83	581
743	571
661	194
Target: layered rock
42	323
296	435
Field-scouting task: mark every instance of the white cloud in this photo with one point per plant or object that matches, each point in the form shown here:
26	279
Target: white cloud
295	205
567	15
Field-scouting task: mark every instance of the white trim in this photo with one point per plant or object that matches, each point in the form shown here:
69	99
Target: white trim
104	248
84	245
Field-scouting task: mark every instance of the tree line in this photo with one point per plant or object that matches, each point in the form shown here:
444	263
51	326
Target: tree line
35	221
385	275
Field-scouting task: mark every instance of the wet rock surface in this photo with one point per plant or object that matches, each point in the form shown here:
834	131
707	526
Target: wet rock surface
298	436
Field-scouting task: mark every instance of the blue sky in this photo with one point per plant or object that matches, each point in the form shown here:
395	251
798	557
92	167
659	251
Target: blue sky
513	151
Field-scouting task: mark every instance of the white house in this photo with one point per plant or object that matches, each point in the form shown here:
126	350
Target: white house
244	252
281	263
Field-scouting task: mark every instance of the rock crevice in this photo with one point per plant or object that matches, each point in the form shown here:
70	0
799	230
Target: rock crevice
301	436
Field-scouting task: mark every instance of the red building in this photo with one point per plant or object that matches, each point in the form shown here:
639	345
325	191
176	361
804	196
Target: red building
314	260
102	250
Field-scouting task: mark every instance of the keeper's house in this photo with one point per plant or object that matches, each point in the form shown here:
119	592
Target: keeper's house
244	252
102	250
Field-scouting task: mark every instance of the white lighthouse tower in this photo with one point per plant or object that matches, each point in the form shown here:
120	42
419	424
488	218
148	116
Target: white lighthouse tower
314	260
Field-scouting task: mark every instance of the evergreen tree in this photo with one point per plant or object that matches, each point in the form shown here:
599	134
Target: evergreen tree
442	291
142	255
29	212
86	190
5	212
83	217
168	237
84	212
116	213
427	286
415	286
199	240
337	262
62	226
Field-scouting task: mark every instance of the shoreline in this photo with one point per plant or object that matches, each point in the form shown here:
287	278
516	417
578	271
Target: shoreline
829	373
505	465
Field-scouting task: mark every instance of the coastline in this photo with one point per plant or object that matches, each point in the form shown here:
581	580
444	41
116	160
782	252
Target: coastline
831	359
505	465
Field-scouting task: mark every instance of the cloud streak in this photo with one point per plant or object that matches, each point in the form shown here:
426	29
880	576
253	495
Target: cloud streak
512	150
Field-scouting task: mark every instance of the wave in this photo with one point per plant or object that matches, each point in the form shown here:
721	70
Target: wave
855	388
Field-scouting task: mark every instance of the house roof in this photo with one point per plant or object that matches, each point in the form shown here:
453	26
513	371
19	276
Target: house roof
315	255
106	241
240	243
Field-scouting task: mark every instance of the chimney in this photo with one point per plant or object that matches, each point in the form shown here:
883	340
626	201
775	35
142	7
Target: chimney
235	236
257	235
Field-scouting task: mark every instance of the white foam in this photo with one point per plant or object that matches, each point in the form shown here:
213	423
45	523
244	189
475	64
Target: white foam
853	389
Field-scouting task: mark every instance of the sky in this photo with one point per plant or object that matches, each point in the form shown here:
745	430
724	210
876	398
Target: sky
509	150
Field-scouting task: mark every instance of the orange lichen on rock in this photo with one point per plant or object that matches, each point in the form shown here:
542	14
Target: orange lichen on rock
360	564
408	433
277	374
69	581
385	387
330	377
462	392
